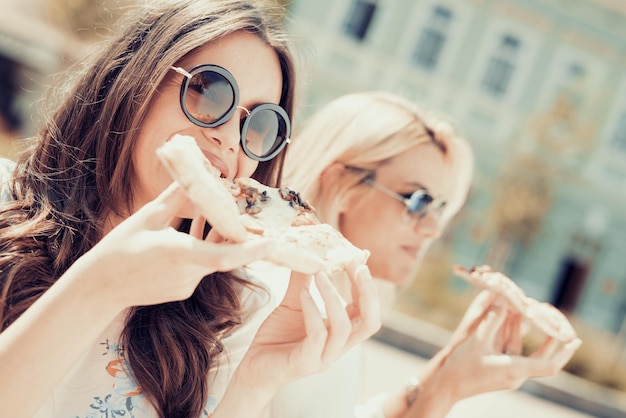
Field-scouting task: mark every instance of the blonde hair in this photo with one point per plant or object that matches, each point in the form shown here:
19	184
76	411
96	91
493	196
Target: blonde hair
364	131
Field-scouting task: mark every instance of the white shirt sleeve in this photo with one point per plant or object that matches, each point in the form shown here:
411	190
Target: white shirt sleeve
6	174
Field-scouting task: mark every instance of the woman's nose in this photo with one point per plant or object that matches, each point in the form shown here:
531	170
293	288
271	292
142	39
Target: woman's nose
429	225
228	134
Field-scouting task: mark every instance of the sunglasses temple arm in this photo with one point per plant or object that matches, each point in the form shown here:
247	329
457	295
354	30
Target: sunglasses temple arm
387	191
181	71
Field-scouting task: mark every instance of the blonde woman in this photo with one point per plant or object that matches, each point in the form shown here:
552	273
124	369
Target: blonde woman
390	176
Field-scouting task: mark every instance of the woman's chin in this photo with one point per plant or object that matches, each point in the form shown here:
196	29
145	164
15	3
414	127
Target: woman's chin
398	275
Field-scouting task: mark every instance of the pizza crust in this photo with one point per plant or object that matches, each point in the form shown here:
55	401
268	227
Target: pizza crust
542	315
322	240
201	182
244	209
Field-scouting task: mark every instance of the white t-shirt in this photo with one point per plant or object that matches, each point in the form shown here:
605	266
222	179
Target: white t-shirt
331	394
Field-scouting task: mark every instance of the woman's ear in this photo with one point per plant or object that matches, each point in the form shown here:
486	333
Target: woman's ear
331	180
332	174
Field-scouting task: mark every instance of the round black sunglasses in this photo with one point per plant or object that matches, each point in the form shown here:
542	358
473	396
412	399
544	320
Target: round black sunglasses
209	97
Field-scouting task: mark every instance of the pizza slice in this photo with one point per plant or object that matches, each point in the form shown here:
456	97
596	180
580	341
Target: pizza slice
542	315
244	209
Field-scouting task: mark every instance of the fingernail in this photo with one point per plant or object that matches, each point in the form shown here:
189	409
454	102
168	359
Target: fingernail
575	344
323	279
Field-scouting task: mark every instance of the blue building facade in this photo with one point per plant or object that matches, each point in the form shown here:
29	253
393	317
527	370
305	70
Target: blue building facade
539	89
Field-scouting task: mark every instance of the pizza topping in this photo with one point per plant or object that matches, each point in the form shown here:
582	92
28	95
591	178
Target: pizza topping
294	199
250	199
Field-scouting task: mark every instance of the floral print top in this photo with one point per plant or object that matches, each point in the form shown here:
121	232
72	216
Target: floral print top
100	385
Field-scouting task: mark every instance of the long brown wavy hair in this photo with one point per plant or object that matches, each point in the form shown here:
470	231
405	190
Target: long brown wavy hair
76	174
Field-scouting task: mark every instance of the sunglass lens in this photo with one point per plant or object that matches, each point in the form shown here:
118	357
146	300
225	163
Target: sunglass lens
266	132
419	202
210	97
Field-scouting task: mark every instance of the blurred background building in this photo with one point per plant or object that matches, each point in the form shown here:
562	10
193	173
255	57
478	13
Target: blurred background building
539	89
537	86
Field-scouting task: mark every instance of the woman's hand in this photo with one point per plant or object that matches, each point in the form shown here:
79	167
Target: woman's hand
296	340
145	261
484	355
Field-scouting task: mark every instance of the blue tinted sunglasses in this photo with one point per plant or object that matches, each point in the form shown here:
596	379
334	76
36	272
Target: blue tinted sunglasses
209	97
417	204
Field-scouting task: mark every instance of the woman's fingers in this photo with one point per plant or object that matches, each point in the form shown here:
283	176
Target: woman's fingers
351	268
479	305
226	257
214	237
341	332
473	317
546	349
197	226
491	326
546	365
166	206
513	341
312	347
338	323
564	355
368	320
505	339
297	282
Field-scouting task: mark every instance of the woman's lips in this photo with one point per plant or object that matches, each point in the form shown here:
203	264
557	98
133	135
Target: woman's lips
413	252
217	163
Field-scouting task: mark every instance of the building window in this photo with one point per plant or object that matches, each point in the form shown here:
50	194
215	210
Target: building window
575	73
359	18
501	66
572	83
432	38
